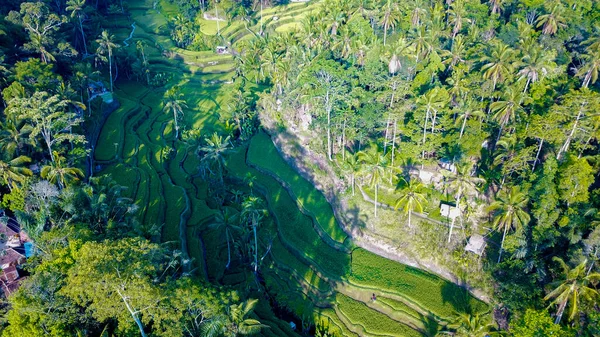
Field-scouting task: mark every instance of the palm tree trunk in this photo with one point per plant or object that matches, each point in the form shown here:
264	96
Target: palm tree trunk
454	219
425	133
387	132
462	128
353	183
110	69
502	243
409	218
394	140
255	246
537	156
228	249
376	190
344	140
385	28
561	310
327	106
565	146
82	35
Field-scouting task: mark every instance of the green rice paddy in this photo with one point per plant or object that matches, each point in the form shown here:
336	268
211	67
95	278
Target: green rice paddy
313	267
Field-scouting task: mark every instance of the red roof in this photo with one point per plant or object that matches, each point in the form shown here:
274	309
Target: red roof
11	257
9	274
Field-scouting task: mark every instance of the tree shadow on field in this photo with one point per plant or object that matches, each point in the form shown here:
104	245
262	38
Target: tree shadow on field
457	296
432	326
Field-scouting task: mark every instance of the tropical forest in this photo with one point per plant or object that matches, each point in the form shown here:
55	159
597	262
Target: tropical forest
299	168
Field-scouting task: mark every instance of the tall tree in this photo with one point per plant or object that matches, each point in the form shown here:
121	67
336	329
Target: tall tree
48	118
57	172
106	45
253	210
576	285
411	198
510	211
228	220
77	9
174	104
375	164
463	184
14	170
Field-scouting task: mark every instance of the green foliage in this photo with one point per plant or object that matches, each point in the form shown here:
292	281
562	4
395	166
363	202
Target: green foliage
575	178
537	323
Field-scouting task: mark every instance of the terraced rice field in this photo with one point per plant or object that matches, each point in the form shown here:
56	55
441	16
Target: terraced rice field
313	267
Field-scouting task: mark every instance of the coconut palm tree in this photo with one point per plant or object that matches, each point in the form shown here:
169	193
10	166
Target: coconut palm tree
507	109
537	64
14	170
228	220
241	324
509	212
576	286
462	183
465	110
411	198
253	211
552	21
214	151
457	16
389	19
57	172
432	101
591	67
174	104
469	325
375	164
352	165
76	7
498	63
106	45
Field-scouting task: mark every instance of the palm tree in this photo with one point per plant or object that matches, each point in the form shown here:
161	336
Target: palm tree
509	211
498	64
352	164
552	21
13	170
462	183
496	6
375	164
227	219
591	67
411	198
573	288
57	172
106	45
253	210
174	104
214	151
432	101
140	46
76	7
242	325
507	109
537	64
457	15
467	109
468	325
389	19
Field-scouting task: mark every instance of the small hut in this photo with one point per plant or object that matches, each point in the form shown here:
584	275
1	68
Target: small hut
222	50
476	244
449	211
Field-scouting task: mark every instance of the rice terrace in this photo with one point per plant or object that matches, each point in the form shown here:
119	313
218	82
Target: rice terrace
313	267
319	168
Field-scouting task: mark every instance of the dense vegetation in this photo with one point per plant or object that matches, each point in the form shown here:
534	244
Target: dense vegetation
132	156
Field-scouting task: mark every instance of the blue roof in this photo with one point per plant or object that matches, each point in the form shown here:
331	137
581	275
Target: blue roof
28	249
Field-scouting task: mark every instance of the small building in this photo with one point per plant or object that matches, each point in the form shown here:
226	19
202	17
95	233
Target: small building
447	165
476	244
449	211
15	247
222	50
